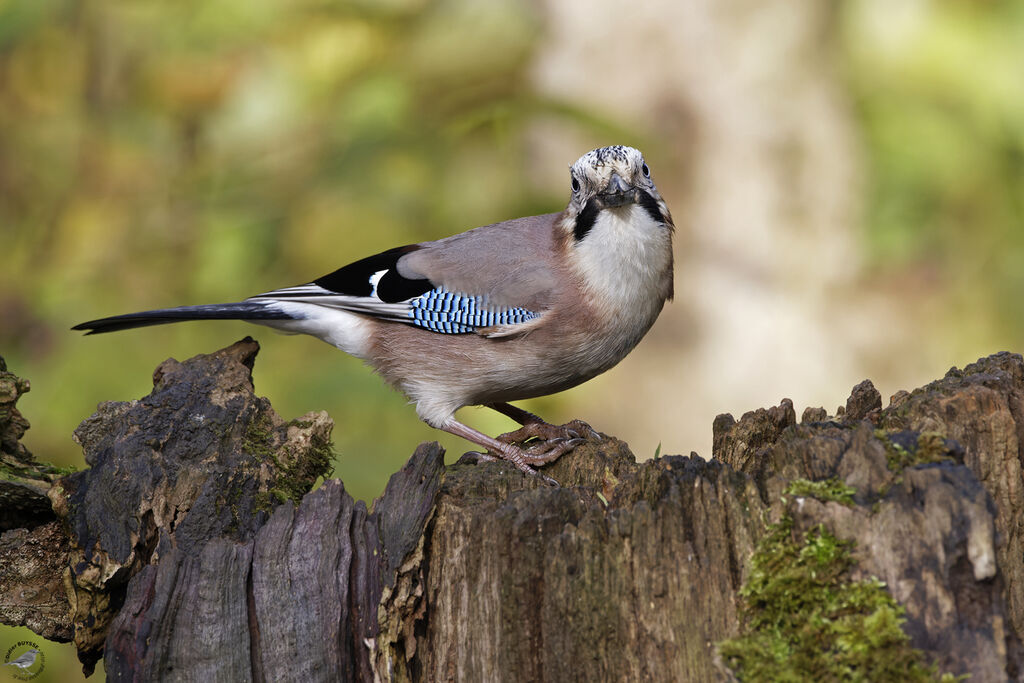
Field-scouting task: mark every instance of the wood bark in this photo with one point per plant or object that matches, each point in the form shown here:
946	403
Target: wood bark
191	549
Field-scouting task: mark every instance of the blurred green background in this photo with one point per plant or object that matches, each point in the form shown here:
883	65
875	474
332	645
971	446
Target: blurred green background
155	154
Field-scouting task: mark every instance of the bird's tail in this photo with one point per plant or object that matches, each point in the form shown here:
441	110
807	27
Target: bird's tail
244	310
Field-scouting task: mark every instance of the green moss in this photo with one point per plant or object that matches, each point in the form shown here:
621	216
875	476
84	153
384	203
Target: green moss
296	475
805	619
264	501
39	471
827	489
259	437
901	452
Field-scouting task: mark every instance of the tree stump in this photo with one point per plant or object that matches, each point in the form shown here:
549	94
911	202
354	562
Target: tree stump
192	548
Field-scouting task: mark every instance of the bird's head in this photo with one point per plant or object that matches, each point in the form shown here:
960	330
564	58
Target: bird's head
612	178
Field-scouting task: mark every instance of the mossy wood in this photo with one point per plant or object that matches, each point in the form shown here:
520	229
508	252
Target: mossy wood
878	544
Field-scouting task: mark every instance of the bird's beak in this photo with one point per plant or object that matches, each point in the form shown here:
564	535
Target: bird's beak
616	185
618	192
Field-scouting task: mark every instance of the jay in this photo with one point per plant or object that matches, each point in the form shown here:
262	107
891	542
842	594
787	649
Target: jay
504	312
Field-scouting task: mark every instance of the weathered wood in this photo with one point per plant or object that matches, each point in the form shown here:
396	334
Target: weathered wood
982	409
922	521
33	548
200	458
191	550
550	584
33	563
298	601
23	482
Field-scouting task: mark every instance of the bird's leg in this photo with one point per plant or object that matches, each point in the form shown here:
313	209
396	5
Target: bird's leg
523	417
536	428
507	451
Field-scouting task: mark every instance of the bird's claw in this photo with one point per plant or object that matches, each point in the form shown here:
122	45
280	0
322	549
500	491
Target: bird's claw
476	457
544	452
533	445
577	428
549	481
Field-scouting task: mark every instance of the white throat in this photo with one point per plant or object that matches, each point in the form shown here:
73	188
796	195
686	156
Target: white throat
624	260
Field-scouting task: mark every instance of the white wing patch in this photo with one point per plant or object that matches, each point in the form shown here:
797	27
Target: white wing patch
375	280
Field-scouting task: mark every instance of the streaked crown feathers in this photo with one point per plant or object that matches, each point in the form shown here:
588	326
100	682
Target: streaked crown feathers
593	169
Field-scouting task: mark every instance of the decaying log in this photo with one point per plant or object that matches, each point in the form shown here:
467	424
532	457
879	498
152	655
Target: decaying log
192	549
33	546
200	458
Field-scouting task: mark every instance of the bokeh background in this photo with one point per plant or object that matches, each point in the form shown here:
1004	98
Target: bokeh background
847	180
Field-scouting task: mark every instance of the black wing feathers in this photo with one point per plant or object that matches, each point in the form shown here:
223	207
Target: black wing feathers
354	279
393	288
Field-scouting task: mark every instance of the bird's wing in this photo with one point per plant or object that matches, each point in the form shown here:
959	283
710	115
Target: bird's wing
495	281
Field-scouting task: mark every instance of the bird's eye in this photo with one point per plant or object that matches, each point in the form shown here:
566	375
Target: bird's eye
646	171
575	184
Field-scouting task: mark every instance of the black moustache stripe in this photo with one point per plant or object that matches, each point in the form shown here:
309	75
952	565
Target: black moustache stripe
586	218
650	205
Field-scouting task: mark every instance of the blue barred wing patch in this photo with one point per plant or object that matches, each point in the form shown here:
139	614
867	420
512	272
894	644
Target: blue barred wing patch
448	313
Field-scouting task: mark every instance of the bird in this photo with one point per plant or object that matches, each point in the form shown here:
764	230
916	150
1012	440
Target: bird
504	312
24	660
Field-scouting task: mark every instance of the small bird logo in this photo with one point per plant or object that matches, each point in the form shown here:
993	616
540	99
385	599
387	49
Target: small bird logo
504	312
25	660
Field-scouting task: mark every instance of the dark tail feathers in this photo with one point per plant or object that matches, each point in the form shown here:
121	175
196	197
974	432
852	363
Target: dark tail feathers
240	311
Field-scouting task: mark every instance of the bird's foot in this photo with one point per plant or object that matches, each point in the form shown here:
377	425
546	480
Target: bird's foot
540	453
539	443
543	452
516	456
543	442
